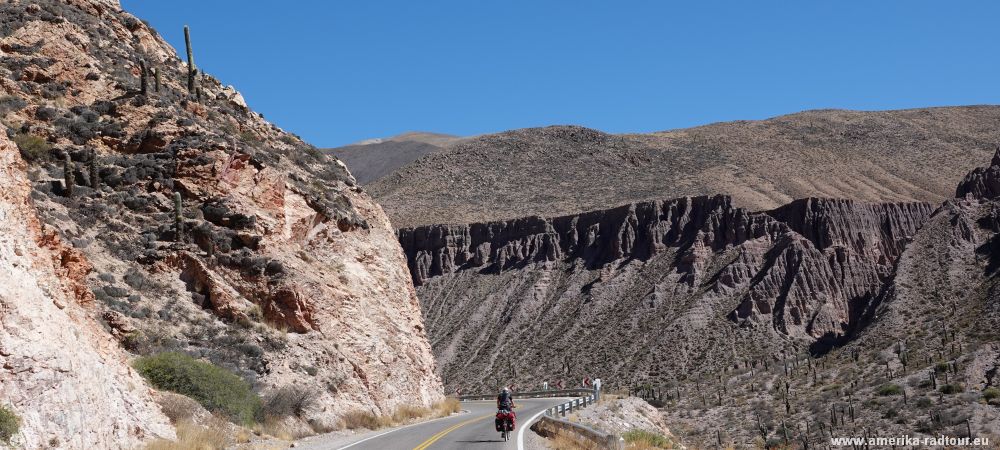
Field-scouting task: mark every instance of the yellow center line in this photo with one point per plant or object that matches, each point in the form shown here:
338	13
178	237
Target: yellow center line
441	434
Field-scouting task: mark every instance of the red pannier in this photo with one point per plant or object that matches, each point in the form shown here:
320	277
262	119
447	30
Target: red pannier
504	415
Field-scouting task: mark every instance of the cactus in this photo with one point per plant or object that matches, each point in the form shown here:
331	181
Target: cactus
156	79
143	82
68	178
190	54
761	428
178	217
95	180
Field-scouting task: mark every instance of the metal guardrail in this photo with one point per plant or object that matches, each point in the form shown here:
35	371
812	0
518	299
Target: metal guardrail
533	394
576	403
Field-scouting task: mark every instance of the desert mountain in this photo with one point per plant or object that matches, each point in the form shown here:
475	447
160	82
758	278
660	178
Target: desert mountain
908	155
374	158
153	207
816	318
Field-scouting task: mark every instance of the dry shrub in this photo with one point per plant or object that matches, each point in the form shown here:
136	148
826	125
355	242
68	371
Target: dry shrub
193	437
289	401
177	407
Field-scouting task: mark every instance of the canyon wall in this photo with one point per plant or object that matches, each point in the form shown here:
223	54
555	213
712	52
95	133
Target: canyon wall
667	283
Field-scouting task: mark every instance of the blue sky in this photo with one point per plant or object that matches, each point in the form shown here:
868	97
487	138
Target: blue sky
336	72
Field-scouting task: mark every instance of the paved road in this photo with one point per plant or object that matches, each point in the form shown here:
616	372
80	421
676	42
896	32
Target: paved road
471	430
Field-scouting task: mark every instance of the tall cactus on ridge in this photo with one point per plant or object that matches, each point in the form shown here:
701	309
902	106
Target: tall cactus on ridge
178	217
143	75
190	54
95	180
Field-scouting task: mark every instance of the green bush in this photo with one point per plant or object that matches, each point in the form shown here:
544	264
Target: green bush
647	439
217	389
991	393
33	148
890	389
953	388
9	424
941	367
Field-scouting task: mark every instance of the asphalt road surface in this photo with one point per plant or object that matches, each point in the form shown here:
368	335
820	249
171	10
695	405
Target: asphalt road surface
471	430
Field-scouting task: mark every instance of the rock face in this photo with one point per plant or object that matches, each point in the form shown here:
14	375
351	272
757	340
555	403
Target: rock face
59	371
983	182
280	267
637	231
812	271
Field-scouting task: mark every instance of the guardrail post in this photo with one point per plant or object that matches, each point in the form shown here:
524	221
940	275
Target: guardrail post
585	402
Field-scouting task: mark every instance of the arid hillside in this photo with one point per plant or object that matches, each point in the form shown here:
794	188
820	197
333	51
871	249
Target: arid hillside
373	159
908	155
192	225
820	317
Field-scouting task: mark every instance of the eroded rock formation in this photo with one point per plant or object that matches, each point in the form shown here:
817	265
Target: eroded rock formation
983	182
812	271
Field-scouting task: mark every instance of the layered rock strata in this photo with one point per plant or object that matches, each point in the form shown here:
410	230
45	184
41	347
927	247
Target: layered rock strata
812	271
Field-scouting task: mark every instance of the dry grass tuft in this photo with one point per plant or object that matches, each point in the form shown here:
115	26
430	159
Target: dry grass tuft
193	437
568	441
446	407
363	419
276	428
404	414
647	440
407	413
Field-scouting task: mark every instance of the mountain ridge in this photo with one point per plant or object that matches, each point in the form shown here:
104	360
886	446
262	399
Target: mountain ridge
902	155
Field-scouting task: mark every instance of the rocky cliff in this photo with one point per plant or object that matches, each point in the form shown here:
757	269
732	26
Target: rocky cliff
275	264
58	367
982	182
810	273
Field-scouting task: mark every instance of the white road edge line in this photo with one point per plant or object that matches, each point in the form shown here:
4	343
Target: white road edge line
520	433
400	428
